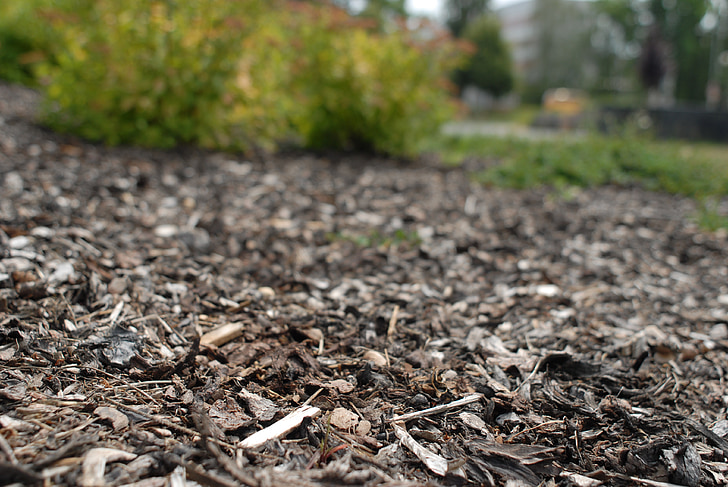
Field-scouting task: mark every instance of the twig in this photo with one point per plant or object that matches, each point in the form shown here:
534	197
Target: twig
7	449
126	384
204	425
437	409
167	423
533	372
196	474
538	426
392	329
80	427
169	329
312	397
651	483
115	314
433	461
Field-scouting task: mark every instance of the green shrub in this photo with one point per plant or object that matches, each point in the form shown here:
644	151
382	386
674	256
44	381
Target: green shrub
24	39
241	75
368	91
165	72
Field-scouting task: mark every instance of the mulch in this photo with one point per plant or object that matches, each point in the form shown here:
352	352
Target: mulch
197	318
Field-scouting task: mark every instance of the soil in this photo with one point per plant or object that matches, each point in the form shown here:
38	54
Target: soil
377	323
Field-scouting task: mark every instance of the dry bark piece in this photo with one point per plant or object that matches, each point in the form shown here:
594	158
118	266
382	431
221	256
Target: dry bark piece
118	419
263	409
228	415
343	419
15	392
375	357
683	464
363	427
16	424
550	307
579	480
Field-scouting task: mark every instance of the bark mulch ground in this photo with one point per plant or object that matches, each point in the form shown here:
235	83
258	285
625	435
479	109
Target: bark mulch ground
195	318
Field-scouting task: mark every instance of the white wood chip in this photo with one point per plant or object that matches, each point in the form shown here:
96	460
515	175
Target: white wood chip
222	334
433	461
279	428
94	464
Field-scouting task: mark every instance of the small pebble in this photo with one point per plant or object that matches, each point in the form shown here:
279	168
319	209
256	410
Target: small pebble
375	357
267	292
20	242
34	150
166	231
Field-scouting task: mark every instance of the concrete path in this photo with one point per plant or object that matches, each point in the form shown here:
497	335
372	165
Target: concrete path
505	129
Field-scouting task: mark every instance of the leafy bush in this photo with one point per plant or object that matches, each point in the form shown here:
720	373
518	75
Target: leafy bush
24	40
242	75
162	73
367	91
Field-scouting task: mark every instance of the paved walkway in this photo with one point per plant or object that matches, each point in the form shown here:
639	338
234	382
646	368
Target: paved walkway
505	129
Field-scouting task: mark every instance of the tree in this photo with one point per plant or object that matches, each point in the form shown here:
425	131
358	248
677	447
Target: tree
684	47
380	10
690	51
652	60
616	45
460	13
490	67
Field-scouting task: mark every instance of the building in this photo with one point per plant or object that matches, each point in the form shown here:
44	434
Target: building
550	41
519	30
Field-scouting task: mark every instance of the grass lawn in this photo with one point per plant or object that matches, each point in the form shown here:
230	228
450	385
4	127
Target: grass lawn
697	170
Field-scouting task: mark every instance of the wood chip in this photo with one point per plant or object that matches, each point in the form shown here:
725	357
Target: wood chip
222	334
280	428
94	464
433	461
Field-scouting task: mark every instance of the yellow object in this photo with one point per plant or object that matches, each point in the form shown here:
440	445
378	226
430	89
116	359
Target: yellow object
564	101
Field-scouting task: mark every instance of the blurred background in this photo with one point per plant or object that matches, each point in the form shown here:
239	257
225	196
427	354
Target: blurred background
549	62
565	93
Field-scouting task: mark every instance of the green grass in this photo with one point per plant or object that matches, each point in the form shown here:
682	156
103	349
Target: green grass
375	238
696	170
522	115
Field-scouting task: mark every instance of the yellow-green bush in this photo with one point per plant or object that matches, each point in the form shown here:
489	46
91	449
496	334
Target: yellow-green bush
167	72
365	90
242	74
24	39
